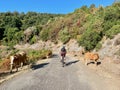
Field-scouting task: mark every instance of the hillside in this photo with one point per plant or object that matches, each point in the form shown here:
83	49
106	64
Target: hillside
88	25
13	26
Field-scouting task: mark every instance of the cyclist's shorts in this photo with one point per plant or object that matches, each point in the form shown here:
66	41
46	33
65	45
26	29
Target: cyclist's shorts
63	54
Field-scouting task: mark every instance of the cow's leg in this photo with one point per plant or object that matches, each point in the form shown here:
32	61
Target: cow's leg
21	65
86	62
96	62
11	67
16	68
11	63
47	56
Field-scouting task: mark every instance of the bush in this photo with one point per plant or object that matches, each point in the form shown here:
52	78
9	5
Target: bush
64	35
33	40
113	31
0	60
13	36
1	63
111	18
89	39
8	43
44	35
34	55
98	46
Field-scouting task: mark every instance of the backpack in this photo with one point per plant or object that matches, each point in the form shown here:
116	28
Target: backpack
63	50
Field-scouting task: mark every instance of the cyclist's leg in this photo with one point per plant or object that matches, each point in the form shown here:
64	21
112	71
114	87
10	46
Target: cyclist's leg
64	56
63	60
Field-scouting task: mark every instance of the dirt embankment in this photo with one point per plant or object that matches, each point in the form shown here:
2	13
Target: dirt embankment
110	55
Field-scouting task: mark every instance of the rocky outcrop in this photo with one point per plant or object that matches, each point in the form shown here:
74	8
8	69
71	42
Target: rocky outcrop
28	33
111	48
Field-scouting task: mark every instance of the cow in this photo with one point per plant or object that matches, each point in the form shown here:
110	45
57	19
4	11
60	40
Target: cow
17	60
48	54
91	56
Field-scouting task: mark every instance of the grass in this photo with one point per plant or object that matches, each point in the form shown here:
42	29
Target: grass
35	55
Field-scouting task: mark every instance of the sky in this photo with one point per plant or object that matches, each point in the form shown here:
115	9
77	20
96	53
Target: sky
49	6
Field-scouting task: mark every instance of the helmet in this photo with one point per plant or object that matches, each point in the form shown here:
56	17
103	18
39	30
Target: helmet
63	46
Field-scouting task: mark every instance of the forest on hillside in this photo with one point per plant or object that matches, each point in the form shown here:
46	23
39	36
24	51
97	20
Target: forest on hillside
88	25
14	24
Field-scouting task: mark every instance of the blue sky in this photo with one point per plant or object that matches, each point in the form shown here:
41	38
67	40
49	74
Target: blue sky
48	6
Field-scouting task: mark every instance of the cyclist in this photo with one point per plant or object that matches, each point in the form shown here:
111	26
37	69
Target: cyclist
63	54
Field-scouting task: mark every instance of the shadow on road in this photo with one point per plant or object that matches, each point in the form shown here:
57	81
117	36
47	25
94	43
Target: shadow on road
54	55
39	66
2	74
72	62
98	63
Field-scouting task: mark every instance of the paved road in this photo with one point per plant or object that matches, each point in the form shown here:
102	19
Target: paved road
52	76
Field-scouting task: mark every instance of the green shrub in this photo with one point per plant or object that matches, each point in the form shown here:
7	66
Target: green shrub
8	43
13	36
0	60
98	46
44	35
113	31
64	35
89	39
111	18
34	55
65	39
33	40
1	63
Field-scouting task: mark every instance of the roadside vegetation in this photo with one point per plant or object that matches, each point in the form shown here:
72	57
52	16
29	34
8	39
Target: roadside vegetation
33	57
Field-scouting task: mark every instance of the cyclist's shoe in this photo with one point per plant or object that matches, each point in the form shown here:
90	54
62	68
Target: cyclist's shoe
63	64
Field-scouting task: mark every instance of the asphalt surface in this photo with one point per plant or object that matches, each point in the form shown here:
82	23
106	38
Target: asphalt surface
52	76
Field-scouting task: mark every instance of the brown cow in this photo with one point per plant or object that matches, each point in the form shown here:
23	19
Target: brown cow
91	56
18	60
49	54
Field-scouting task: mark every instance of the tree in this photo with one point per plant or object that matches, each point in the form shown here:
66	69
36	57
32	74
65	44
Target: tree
1	33
92	6
10	34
